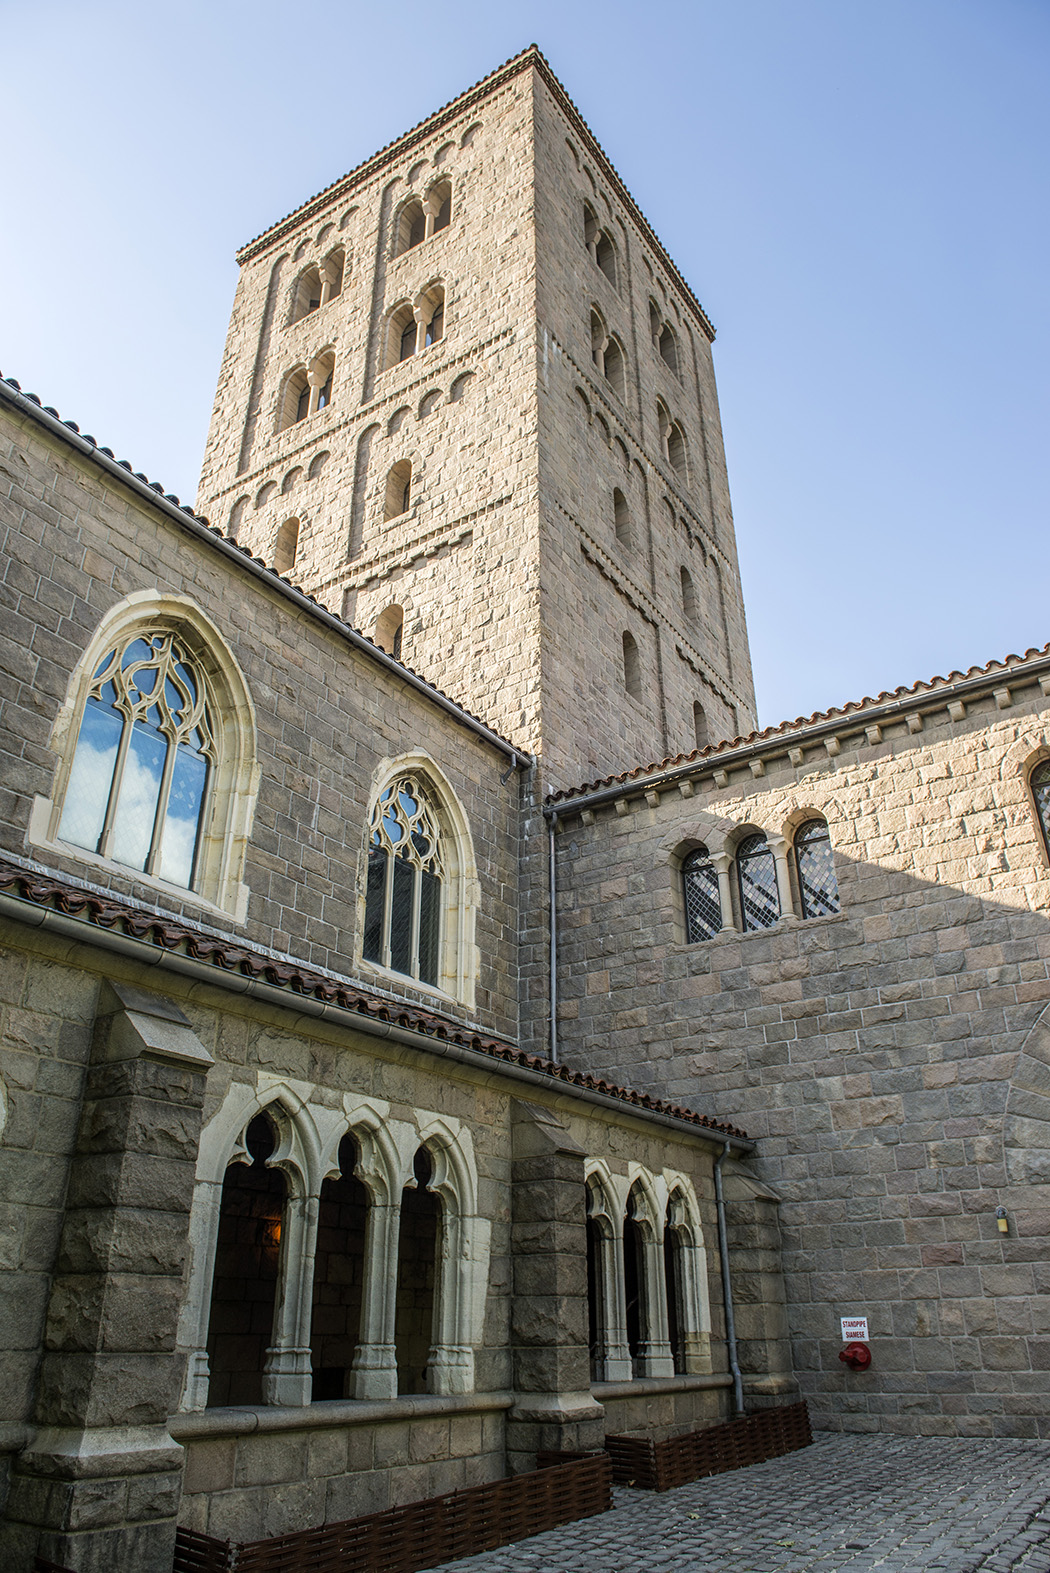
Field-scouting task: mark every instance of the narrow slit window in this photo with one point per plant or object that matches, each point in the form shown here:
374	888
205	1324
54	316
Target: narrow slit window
632	667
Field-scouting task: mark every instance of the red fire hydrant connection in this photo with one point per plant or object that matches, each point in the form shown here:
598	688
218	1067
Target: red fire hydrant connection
856	1355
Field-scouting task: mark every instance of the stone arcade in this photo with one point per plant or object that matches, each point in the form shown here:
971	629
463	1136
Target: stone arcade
322	1182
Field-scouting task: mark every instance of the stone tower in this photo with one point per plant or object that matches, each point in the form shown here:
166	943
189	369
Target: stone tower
468	402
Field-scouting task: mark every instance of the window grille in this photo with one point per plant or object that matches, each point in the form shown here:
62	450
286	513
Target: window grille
703	908
138	786
1041	793
403	893
757	882
818	888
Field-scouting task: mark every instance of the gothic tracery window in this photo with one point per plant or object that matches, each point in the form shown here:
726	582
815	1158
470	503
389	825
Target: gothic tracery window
818	888
403	897
140	773
703	906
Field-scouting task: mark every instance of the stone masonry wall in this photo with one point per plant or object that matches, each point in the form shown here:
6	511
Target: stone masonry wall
889	1059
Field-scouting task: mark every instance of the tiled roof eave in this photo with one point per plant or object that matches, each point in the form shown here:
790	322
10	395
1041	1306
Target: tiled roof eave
31	895
773	740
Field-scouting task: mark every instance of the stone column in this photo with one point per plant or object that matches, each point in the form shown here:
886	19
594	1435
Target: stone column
316	377
553	1407
374	1371
722	863
779	848
98	1487
618	1364
655	1352
287	1374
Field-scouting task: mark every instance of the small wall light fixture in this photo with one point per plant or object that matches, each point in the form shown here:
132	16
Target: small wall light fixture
1002	1222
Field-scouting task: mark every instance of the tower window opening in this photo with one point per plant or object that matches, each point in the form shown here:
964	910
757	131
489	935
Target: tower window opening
408	341
621	517
757	883
307	297
701	732
411	227
614	366
632	667
436	325
398	489
668	349
286	546
688	595
390	627
439	207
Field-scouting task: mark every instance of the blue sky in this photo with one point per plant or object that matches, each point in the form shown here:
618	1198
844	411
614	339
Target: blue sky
857	191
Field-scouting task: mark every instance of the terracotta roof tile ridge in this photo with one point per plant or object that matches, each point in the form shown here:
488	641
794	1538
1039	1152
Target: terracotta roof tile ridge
258	562
229	955
785	728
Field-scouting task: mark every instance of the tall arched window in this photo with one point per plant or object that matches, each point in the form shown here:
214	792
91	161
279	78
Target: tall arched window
688	594
404	890
636	1286
1040	784
818	889
701	733
632	667
418	1257
247	1269
398	497
614	366
703	905
621	517
339	1273
307	294
675	1286
676	450
668	349
756	872
138	786
286	546
295	404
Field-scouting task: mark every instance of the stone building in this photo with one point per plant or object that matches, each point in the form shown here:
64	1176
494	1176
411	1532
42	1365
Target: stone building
323	1183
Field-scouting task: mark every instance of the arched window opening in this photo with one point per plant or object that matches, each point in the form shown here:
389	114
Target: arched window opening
339	1271
432	317
407	341
295	405
145	754
591	230
667	348
439	207
757	883
398	497
701	734
596	1309
674	1285
599	340
307	297
321	377
333	269
247	1267
1040	784
390	625
655	324
818	888
688	595
703	903
286	546
632	667
403	896
621	517
605	257
411	227
676	449
418	1254
614	366
636	1289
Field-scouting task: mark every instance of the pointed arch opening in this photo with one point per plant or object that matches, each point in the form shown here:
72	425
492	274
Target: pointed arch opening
339	1277
418	1256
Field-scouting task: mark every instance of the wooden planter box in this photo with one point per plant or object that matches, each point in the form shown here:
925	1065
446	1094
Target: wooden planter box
420	1534
658	1466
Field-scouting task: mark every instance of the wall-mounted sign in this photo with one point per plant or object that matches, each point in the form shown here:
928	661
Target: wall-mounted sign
854	1329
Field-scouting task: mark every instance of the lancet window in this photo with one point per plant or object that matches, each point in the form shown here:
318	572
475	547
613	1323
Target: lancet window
139	781
404	890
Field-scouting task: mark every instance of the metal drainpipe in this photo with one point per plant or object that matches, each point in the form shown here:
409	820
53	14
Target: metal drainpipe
553	879
727	1288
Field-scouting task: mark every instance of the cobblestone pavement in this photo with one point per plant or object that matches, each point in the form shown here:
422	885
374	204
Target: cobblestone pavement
903	1505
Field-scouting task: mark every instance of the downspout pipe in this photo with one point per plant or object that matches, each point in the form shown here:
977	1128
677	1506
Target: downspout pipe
552	826
727	1287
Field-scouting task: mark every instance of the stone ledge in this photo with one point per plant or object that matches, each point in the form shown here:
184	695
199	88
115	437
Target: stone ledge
650	1386
198	1425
